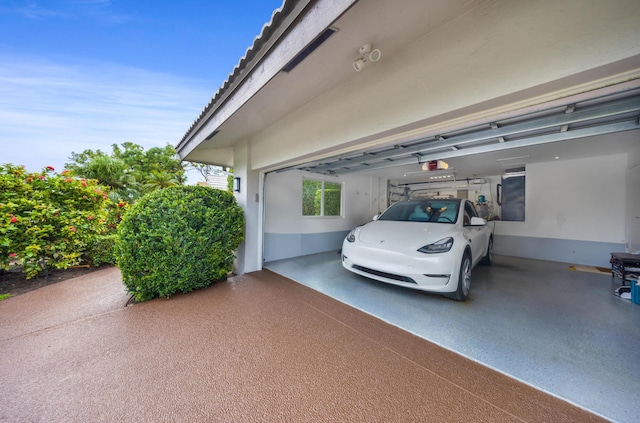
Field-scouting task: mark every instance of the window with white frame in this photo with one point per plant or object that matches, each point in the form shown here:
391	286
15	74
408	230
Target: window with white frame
321	198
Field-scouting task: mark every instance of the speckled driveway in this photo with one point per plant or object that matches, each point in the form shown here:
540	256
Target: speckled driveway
258	347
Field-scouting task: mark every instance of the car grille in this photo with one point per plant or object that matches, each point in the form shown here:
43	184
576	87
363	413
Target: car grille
384	274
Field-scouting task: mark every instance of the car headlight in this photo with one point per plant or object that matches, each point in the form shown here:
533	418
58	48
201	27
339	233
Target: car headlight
441	246
352	235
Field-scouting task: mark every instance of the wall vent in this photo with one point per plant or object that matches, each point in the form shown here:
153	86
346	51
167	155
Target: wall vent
310	48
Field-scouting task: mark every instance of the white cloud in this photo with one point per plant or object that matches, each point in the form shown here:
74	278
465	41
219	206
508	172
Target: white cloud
33	11
48	110
101	11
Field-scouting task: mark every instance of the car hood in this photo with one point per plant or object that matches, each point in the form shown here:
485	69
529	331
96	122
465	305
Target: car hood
389	234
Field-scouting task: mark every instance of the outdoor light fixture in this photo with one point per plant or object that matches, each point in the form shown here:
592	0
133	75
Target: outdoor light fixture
236	184
367	52
358	64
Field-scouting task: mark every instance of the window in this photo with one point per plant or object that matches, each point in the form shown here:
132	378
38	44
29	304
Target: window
441	211
321	198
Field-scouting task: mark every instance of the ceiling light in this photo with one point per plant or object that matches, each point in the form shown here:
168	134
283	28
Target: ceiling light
447	177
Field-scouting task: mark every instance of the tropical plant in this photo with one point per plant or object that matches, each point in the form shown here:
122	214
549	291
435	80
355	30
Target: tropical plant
130	170
115	173
160	180
178	239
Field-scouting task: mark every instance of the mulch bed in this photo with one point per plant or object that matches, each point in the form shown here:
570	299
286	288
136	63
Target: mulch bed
13	281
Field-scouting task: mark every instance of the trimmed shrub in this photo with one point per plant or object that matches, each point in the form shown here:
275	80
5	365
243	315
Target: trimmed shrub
177	240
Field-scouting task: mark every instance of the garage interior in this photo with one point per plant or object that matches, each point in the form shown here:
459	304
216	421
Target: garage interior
531	315
558	330
545	93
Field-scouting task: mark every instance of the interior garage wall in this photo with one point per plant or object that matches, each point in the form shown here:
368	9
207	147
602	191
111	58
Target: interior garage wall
575	212
289	234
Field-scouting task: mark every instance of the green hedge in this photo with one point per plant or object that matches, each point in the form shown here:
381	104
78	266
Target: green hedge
177	240
101	250
310	191
331	202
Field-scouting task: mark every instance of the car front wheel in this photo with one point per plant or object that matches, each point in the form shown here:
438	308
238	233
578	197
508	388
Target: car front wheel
464	280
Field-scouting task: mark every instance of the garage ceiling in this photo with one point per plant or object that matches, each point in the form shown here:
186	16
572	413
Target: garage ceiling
545	134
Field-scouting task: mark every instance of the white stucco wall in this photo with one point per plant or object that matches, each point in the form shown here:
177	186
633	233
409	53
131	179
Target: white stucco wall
574	200
501	48
249	253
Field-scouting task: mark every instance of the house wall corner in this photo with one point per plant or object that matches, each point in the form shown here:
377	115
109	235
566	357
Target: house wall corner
249	253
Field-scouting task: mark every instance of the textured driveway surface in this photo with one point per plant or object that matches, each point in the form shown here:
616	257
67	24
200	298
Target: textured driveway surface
258	347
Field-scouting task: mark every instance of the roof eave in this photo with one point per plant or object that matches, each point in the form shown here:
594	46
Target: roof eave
281	20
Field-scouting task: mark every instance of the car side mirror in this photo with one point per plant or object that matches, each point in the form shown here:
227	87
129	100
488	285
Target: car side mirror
376	217
478	221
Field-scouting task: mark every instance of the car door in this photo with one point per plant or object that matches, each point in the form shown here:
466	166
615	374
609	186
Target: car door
477	235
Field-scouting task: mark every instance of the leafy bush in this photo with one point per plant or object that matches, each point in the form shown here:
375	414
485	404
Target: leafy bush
177	240
311	192
331	198
46	219
101	250
332	202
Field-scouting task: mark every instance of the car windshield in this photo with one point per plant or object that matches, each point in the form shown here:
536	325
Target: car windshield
443	211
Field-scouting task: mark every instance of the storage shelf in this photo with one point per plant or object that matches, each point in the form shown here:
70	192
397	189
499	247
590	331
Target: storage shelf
626	267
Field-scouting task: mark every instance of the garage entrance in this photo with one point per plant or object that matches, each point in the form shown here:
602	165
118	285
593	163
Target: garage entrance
570	158
559	330
529	315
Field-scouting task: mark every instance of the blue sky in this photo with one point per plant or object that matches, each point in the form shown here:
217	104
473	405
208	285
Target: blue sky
86	74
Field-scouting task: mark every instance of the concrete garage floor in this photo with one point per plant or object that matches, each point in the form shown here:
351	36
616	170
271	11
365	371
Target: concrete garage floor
559	330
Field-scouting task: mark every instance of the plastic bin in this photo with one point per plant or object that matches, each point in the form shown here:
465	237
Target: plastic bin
635	291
